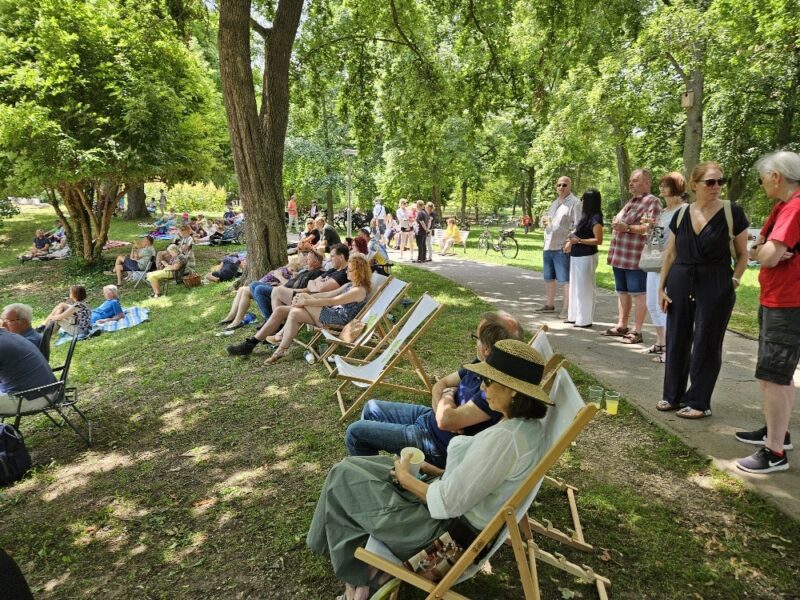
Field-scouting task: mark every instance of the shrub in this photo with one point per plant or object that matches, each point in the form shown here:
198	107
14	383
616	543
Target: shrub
190	197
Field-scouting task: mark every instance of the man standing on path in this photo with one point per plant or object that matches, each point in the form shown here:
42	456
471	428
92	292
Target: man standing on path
291	209
558	220
162	202
379	214
778	251
421	227
628	236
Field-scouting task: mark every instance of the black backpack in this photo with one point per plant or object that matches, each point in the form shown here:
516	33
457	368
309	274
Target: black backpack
14	458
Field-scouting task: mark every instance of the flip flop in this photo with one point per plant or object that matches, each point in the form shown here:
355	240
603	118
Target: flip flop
687	412
615	332
665	406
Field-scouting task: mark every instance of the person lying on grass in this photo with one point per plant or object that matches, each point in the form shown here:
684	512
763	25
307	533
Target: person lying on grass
379	496
175	263
330	280
226	270
275	278
73	315
142	253
338	307
110	310
458	406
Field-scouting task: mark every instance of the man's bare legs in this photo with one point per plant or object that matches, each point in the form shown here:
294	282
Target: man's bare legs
624	302
778	404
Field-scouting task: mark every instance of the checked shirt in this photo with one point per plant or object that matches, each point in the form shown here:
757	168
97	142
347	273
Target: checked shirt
626	248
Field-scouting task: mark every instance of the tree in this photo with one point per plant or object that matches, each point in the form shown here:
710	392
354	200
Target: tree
258	140
94	96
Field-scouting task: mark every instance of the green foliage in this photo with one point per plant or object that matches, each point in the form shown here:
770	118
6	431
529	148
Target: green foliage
190	197
7	209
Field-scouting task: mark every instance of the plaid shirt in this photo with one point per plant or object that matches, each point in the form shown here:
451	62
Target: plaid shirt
626	248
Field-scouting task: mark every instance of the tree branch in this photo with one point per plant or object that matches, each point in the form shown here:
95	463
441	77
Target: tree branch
495	60
677	67
259	28
408	42
355	37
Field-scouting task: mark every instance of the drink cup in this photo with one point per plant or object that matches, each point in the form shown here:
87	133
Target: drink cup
612	402
416	456
596	395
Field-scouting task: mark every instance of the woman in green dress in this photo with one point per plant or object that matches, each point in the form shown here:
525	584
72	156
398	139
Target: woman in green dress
379	496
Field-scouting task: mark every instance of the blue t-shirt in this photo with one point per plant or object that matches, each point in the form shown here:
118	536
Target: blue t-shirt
32	336
469	388
22	366
107	310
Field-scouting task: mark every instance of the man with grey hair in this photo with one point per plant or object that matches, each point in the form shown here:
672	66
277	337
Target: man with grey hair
17	319
558	221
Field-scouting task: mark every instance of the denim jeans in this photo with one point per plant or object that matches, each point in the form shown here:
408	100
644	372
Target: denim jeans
392	426
262	294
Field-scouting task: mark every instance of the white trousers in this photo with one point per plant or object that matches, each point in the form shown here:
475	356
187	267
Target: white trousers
292	223
582	289
657	316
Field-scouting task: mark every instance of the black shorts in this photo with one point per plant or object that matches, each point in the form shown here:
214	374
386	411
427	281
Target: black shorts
130	265
778	344
227	272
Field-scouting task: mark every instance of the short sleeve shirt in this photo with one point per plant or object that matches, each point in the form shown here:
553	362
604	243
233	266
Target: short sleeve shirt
22	366
585	230
40	243
626	247
108	309
146	253
780	285
291	207
330	235
338	275
469	388
562	217
422	221
82	318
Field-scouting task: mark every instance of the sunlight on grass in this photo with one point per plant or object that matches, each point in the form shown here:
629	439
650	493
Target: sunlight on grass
199	453
78	474
56	582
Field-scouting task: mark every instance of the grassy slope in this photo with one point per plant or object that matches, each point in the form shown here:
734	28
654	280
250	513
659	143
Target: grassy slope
206	470
744	318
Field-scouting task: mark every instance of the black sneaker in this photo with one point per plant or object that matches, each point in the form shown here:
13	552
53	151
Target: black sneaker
763	461
243	349
759	438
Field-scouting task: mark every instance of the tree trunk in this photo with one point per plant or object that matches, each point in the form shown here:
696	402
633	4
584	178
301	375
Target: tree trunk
464	199
786	124
623	172
258	144
529	191
329	203
693	133
137	201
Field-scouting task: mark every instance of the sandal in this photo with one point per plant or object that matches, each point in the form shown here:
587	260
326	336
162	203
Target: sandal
616	332
276	356
655	349
634	337
659	359
687	412
274	340
665	406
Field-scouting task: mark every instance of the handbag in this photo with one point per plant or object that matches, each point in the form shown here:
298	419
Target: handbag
434	561
652	257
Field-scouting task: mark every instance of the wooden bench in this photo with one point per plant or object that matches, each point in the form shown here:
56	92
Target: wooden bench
438	234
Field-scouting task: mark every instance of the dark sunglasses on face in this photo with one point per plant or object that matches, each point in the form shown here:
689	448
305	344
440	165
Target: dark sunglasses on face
713	182
486	381
561	185
474	336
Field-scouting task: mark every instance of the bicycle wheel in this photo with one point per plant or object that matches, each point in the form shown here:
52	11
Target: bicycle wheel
509	247
483	244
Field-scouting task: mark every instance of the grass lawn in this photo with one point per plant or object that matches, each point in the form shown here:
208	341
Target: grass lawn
744	318
206	469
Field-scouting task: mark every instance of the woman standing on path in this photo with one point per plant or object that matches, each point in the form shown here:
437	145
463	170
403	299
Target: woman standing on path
698	291
582	247
406	235
672	187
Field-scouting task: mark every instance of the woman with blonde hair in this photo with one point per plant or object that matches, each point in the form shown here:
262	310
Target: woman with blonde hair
405	221
698	291
337	307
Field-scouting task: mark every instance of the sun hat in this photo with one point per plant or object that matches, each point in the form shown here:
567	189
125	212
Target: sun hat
515	365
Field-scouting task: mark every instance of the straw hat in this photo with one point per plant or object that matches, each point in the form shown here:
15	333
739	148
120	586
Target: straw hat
515	365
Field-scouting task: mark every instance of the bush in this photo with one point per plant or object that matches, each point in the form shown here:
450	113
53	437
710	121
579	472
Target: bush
190	197
7	209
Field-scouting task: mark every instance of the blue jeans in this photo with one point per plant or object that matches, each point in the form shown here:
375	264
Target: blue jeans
262	294
392	426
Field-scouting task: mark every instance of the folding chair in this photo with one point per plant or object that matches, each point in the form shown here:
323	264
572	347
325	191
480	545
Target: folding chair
505	524
372	371
373	318
44	343
138	276
541	343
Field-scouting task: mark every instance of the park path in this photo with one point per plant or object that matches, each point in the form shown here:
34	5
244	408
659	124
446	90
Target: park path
736	402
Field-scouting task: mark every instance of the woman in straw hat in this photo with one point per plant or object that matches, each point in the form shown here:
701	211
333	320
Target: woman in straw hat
379	496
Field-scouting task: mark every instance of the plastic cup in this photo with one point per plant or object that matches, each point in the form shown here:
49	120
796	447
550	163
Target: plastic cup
612	402
416	456
596	395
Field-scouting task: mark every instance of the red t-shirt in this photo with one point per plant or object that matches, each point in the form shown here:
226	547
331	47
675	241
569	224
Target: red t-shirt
780	285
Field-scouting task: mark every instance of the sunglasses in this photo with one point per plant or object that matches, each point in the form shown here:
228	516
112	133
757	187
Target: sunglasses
486	381
713	182
561	185
474	336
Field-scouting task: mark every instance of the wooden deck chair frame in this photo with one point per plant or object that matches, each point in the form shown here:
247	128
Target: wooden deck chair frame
405	351
526	552
381	326
532	343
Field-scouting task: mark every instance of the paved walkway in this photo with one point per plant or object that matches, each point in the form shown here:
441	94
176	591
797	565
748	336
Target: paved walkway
736	403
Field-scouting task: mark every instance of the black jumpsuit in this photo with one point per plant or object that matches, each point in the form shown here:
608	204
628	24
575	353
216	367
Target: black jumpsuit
700	287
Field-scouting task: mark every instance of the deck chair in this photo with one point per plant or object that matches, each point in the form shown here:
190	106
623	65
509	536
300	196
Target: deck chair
374	319
371	372
541	343
44	343
505	524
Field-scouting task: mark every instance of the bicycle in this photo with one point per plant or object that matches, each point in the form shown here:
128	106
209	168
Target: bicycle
506	244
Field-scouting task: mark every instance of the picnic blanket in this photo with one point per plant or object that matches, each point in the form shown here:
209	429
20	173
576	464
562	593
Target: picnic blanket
115	244
136	315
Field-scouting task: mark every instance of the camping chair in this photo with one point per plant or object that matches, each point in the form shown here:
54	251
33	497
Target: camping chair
371	372
373	318
138	276
505	524
44	343
541	343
